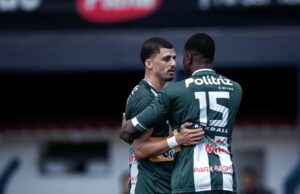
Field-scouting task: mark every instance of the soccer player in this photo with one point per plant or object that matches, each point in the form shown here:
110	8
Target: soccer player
206	99
250	183
151	151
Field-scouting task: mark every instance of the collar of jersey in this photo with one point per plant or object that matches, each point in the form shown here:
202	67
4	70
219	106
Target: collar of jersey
202	70
149	85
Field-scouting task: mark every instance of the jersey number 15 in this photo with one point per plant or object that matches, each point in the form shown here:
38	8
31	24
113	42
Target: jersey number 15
212	105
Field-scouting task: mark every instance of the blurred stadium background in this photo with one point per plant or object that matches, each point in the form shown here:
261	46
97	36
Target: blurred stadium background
67	66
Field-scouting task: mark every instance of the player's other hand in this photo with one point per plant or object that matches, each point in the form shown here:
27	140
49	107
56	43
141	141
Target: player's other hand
189	136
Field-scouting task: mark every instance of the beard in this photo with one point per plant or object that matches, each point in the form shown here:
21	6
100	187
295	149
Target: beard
169	75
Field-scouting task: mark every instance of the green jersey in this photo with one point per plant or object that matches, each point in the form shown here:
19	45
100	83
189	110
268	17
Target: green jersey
151	175
210	101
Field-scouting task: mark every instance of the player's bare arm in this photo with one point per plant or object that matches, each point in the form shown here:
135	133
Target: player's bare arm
144	147
128	133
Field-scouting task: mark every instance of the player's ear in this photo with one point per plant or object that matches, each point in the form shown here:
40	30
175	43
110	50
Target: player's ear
148	63
187	58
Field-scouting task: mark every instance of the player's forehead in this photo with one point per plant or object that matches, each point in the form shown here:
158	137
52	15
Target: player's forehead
166	52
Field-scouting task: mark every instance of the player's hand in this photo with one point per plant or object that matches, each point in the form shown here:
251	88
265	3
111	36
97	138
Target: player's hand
189	136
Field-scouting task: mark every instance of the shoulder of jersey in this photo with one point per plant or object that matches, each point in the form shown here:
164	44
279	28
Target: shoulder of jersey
175	85
234	82
139	91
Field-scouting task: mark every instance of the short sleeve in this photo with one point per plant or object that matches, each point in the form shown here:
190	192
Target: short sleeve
156	112
136	105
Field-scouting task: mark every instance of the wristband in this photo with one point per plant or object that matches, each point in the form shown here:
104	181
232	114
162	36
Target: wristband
172	142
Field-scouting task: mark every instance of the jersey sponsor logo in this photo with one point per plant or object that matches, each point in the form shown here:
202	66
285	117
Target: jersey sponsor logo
133	170
214	129
112	11
132	159
208	80
165	157
212	149
132	93
132	179
220	168
134	89
226	88
216	146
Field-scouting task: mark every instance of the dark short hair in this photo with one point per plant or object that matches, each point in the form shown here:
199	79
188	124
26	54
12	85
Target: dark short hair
152	46
203	45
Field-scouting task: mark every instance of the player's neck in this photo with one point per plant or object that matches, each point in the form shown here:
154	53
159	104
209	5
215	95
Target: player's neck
200	66
155	82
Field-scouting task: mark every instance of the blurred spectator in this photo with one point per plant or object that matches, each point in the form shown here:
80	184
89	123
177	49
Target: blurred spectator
250	183
293	180
7	172
125	183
